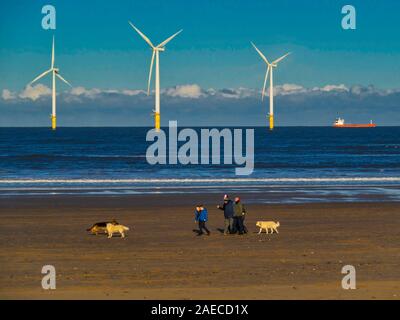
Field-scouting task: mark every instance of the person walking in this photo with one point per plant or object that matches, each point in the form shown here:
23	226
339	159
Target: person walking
239	216
201	216
227	207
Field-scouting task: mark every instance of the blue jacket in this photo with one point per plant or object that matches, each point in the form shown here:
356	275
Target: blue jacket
228	209
201	215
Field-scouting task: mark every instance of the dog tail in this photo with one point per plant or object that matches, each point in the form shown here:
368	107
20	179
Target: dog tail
89	229
125	228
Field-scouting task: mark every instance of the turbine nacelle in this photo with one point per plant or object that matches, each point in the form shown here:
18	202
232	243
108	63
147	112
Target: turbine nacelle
52	69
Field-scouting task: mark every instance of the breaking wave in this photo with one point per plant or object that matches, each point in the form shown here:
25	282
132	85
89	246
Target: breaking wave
200	180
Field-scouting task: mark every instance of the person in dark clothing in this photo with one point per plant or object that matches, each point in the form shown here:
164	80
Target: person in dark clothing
227	207
201	216
239	216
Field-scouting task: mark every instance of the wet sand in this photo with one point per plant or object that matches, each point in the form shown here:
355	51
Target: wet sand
162	258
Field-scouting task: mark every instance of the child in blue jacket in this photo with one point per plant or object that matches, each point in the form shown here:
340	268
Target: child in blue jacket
201	216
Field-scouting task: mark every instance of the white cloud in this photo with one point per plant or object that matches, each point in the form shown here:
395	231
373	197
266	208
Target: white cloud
233	93
7	94
82	91
128	92
35	92
188	91
289	88
333	87
245	92
95	92
191	91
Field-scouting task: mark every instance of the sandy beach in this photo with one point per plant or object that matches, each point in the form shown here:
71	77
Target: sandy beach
162	258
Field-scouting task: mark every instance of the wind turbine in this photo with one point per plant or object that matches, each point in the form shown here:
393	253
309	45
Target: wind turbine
55	73
156	50
269	71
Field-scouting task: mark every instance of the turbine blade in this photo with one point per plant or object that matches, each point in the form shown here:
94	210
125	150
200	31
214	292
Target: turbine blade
150	72
40	76
61	78
52	55
265	84
162	44
281	58
260	53
142	35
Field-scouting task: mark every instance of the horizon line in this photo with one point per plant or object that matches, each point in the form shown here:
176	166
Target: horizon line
191	126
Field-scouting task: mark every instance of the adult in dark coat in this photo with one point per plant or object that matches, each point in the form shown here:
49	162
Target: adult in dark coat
228	209
239	216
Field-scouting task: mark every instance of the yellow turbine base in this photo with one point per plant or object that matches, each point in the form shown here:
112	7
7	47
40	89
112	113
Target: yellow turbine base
271	122
157	121
53	122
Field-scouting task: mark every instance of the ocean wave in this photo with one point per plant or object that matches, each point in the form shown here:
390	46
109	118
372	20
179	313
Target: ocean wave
67	156
198	180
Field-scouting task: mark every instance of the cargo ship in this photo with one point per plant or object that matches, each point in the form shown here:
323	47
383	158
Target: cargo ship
339	123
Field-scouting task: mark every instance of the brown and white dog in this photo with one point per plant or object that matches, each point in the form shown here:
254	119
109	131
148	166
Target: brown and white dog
100	227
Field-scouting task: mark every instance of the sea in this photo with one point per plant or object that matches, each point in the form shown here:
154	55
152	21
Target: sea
291	165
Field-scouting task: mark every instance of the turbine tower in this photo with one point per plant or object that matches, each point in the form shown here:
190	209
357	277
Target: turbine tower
55	73
156	50
270	68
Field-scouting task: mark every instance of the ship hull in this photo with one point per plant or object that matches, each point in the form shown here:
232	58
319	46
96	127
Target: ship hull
368	125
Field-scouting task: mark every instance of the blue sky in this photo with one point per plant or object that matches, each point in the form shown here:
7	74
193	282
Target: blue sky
97	49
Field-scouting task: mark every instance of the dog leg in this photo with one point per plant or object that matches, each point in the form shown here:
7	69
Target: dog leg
259	232
122	234
276	230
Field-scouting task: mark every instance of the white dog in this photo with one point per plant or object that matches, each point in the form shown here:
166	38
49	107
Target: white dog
113	228
265	225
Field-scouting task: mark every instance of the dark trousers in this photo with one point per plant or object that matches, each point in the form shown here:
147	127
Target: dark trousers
243	226
239	225
202	225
